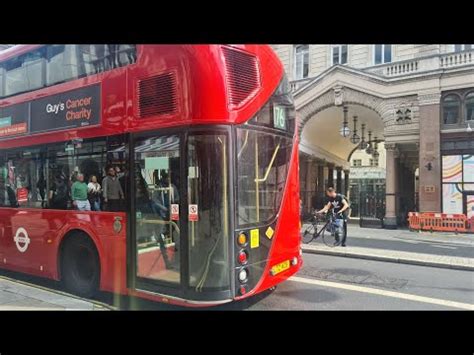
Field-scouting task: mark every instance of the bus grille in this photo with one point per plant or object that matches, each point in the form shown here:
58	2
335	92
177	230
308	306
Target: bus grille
157	95
243	77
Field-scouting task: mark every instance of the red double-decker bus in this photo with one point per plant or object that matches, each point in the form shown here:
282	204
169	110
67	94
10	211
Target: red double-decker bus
168	172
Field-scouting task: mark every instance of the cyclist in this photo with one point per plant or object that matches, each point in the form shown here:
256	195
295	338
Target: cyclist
339	204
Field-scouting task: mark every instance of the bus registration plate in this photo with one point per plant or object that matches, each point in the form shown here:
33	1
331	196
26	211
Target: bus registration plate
285	265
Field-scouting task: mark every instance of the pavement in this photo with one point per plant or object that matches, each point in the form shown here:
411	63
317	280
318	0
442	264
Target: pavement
443	250
17	295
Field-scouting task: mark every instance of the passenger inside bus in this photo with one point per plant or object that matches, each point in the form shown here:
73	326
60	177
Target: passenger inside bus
163	197
45	174
58	196
154	233
7	195
112	191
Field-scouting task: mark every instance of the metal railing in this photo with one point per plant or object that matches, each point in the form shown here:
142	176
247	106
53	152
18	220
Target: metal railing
411	67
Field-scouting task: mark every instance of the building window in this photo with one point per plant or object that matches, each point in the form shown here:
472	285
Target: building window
339	54
469	104
301	61
458	178
451	109
357	162
382	53
462	47
374	162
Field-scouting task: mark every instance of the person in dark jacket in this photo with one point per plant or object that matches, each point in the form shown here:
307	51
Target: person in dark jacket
112	191
7	195
58	196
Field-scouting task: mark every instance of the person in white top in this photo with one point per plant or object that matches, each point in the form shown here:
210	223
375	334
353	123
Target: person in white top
94	191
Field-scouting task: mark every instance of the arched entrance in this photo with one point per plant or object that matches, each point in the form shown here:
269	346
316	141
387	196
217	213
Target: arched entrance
327	158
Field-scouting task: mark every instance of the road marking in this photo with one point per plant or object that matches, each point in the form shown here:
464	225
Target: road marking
386	293
410	241
442	246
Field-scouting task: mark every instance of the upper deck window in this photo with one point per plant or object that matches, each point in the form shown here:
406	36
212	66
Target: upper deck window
54	64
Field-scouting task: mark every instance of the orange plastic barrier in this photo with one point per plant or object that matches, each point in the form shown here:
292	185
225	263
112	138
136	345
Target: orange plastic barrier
440	222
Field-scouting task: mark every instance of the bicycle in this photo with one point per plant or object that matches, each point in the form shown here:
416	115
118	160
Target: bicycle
325	226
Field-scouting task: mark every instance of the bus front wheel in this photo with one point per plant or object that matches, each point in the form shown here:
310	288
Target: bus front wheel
80	266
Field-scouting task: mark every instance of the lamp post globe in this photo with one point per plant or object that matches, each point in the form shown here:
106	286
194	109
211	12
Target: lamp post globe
355	139
345	131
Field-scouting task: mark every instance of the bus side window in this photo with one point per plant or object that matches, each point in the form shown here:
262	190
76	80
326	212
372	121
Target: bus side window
34	64
15	76
25	73
2	80
127	54
4	195
55	65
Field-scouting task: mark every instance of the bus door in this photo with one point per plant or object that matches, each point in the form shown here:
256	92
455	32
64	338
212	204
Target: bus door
181	227
5	233
156	225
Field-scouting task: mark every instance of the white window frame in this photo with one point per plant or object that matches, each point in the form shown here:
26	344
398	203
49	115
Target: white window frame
297	75
340	53
359	161
383	53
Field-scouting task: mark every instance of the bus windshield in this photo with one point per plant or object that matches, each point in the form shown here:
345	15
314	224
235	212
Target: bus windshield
263	156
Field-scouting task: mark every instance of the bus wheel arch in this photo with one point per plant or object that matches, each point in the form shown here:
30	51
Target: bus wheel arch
79	263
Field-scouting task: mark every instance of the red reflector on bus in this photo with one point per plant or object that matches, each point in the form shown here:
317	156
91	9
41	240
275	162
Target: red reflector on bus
243	257
242	290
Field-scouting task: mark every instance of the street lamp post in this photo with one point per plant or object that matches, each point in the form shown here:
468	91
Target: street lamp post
344	130
363	144
370	149
355	139
376	153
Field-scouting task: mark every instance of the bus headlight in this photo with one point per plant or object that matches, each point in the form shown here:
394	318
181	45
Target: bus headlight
243	275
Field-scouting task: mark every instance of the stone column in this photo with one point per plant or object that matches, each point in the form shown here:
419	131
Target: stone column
411	190
325	176
308	180
339	180
429	153
346	182
390	220
330	175
320	186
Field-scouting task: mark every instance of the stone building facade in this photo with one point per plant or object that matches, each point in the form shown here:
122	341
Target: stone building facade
417	99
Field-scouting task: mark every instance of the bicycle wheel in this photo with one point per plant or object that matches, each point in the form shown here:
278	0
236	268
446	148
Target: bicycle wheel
329	237
308	234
